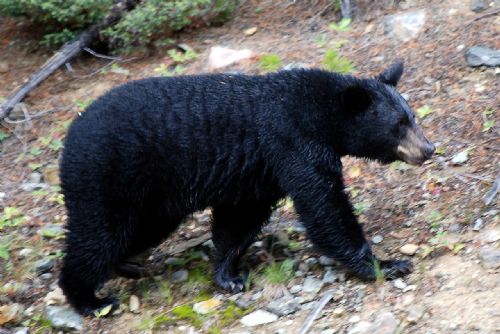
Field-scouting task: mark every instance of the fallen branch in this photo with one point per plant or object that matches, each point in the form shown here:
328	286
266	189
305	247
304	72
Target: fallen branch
316	311
345	9
66	53
485	15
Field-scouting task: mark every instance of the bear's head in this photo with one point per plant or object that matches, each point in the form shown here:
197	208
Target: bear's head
381	125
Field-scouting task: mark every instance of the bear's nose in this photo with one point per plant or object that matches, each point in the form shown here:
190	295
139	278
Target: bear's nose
429	150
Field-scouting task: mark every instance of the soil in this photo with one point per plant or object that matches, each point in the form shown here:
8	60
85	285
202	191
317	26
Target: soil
438	206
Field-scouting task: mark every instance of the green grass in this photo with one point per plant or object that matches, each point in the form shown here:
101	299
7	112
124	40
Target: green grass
270	63
379	274
279	272
334	62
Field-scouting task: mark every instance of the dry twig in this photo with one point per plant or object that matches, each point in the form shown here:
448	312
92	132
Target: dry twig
316	311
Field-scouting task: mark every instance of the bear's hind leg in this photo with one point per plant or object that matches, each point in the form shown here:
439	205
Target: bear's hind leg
85	268
234	228
96	241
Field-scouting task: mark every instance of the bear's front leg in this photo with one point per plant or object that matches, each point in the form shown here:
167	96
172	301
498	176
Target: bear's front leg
331	225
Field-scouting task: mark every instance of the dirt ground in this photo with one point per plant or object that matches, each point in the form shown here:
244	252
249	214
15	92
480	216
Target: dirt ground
455	286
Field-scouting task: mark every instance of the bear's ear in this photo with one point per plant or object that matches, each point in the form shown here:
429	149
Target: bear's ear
392	75
355	99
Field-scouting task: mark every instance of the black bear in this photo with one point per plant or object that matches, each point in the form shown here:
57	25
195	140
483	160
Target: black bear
148	153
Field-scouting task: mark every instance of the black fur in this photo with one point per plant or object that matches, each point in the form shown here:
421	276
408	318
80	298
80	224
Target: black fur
150	152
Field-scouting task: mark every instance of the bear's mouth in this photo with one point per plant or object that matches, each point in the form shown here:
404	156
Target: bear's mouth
415	149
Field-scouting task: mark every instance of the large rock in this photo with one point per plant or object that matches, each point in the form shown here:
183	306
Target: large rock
283	306
490	257
258	317
64	317
221	57
405	26
482	55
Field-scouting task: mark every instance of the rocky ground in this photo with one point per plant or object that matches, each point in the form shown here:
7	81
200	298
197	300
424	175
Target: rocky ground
435	214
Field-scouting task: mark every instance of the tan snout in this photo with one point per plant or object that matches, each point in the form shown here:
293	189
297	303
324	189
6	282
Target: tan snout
415	148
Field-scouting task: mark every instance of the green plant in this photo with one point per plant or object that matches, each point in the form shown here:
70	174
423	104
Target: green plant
182	57
423	111
279	272
334	62
149	322
4	135
185	312
343	25
83	104
488	122
434	219
270	62
61	20
360	208
11	217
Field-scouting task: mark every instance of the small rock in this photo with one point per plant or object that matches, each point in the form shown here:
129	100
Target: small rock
405	26
292	66
64	317
490	257
25	252
385	323
362	327
308	306
180	276
258	317
409	249
19	112
303	267
328	331
329	277
478	6
460	158
398	283
339	311
4	67
55	297
283	306
51	175
326	261
411	287
250	31
174	261
44	266
355	318
221	57
312	285
10	313
296	288
134	304
51	230
481	55
245	301
207	306
311	261
415	313
477	224
377	239
490	236
21	330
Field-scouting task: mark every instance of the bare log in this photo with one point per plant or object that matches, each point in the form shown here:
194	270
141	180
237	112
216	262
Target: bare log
66	53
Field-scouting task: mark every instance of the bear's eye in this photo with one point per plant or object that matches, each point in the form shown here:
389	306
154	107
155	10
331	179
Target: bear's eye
404	121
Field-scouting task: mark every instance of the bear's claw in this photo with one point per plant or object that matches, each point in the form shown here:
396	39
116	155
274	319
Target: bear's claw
230	283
